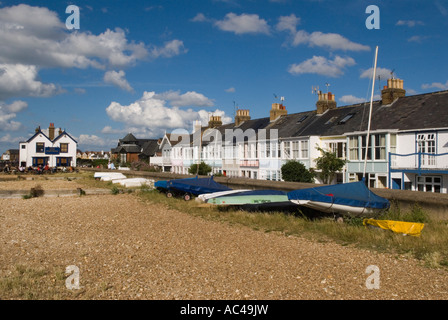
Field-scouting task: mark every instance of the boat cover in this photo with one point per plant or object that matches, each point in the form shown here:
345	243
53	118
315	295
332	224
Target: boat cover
354	194
196	185
410	228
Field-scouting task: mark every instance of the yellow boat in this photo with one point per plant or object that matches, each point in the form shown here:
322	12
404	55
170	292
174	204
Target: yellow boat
407	228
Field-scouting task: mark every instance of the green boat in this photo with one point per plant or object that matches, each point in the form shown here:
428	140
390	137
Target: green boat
251	197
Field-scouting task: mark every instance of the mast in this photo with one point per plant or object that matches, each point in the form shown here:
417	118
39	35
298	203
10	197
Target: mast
370	114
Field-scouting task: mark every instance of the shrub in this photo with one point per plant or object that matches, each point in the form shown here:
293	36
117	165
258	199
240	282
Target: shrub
296	171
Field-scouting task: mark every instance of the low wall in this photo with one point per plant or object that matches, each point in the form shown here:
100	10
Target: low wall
434	204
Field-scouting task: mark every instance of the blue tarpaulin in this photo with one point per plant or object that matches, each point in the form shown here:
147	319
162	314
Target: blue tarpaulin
354	194
196	185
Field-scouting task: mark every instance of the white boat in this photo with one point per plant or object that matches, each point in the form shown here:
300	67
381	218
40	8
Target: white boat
134	182
206	196
108	176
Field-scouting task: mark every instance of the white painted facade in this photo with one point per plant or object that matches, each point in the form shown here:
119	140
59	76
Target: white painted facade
40	150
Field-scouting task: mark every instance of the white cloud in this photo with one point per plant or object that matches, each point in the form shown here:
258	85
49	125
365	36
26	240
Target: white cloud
323	66
288	23
90	140
8	112
190	98
151	114
170	49
331	41
409	23
350	99
10	139
230	90
200	17
242	24
110	130
118	79
438	85
21	80
383	73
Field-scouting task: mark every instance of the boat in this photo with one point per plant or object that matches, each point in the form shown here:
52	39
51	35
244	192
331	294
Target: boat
352	198
255	200
134	182
190	187
108	176
250	197
206	196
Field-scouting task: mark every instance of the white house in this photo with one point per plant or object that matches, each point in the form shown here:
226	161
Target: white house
46	148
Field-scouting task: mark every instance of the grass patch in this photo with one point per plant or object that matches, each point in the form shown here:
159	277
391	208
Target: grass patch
26	283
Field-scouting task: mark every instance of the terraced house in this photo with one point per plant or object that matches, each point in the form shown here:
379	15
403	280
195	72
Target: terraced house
407	147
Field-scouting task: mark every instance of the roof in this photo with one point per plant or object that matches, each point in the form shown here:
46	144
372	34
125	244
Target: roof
150	147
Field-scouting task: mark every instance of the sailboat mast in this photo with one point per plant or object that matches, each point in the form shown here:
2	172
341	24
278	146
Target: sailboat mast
370	114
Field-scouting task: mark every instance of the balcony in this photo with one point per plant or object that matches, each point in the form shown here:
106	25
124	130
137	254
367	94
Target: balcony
419	162
249	163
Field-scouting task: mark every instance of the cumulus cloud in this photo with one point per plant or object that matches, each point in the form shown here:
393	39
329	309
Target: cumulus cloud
118	79
383	73
331	41
8	112
153	113
170	49
350	99
21	80
438	85
322	66
33	38
90	140
242	24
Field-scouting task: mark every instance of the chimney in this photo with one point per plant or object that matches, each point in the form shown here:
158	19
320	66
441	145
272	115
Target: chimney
51	131
392	91
37	129
241	116
277	110
214	121
325	102
196	126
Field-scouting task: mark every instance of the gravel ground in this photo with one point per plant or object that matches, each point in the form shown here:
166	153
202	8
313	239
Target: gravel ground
127	249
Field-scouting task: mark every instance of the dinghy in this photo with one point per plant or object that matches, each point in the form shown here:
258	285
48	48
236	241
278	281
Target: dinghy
352	198
251	197
190	186
206	196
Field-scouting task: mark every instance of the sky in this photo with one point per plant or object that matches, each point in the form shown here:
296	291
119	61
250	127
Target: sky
150	67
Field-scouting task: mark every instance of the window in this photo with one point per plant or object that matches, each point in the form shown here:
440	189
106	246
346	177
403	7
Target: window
429	183
353	148
393	143
23	146
40	147
64	147
346	118
338	148
302	119
426	144
380	146
363	148
287	150
304	149
268	150
295	149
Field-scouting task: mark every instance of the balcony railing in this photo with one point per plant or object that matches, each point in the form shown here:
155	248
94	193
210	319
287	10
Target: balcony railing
419	161
249	163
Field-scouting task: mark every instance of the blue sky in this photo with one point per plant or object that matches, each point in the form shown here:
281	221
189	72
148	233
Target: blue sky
150	67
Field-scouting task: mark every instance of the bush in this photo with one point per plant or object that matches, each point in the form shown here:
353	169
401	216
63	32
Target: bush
204	169
296	171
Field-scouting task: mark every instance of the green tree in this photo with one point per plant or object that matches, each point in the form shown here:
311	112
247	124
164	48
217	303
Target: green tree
296	171
204	169
328	164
